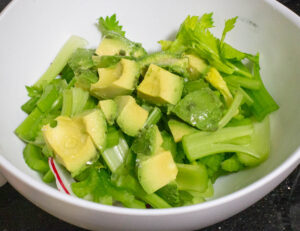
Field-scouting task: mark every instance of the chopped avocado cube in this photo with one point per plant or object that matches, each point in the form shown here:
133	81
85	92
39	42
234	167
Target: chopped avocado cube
216	80
117	45
157	171
117	80
170	61
180	129
95	126
260	143
192	177
160	86
148	142
72	146
109	109
202	109
130	116
196	67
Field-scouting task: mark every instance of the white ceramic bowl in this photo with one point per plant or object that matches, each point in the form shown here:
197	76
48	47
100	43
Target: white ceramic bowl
33	31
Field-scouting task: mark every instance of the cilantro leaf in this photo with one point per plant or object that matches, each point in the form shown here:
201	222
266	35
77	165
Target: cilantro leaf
110	24
229	25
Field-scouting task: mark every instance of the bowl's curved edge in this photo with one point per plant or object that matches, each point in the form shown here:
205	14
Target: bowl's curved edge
286	12
283	170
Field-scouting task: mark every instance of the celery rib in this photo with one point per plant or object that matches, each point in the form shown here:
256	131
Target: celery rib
60	60
232	109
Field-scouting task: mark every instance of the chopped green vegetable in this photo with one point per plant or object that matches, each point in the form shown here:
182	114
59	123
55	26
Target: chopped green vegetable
114	156
34	158
170	194
29	106
192	177
232	110
74	100
169	143
248	83
153	117
263	104
232	164
195	85
98	185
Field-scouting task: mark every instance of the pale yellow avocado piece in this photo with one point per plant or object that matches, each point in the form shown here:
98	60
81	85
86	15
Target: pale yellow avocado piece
95	126
118	80
109	109
197	66
72	146
157	171
160	86
110	46
180	129
216	80
131	117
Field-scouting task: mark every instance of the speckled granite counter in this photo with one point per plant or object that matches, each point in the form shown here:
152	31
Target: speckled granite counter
278	211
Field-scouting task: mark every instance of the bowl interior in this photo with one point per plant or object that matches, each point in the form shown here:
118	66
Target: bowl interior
29	45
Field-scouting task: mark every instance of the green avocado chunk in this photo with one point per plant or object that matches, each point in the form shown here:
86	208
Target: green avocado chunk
201	109
109	109
116	80
131	117
118	45
170	61
70	142
95	126
157	171
160	86
148	142
180	129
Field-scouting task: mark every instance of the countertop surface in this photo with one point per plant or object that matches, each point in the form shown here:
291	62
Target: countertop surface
277	211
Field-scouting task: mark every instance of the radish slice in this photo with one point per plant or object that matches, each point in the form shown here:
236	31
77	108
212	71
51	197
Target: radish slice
63	178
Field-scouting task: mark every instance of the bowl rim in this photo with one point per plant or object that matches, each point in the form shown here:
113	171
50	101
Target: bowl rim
286	167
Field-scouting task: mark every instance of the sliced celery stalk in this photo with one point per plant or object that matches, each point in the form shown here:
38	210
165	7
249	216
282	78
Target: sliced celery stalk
253	84
153	117
114	157
74	100
67	103
263	104
48	98
28	129
232	109
35	159
192	177
30	105
130	183
60	60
